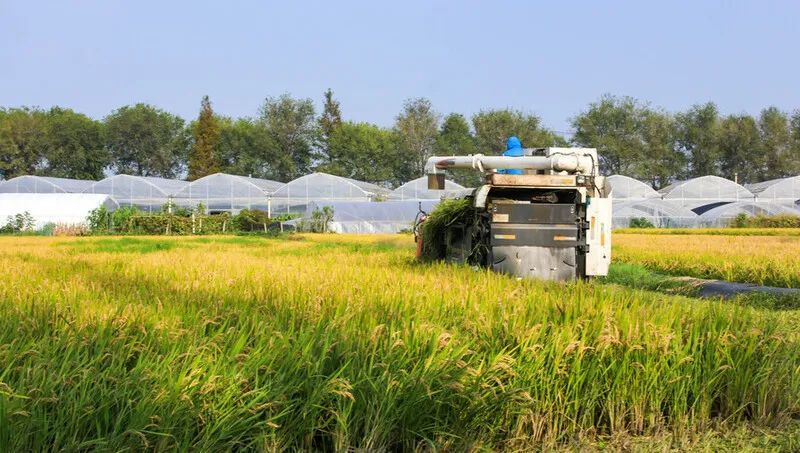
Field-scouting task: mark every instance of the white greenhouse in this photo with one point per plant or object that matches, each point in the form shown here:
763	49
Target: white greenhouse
231	193
58	208
372	217
296	195
418	190
624	188
660	213
706	190
44	184
143	192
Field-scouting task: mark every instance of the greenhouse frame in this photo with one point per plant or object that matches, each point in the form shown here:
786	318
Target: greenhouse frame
784	190
44	184
230	193
296	195
722	215
372	216
146	193
699	192
417	189
659	213
625	187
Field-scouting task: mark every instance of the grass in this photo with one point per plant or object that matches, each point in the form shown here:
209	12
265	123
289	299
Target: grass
331	342
712	231
763	260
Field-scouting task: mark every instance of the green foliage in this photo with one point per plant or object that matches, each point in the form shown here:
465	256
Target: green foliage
740	147
23	136
446	213
494	127
203	159
320	220
362	151
290	127
697	137
74	145
19	223
455	138
146	141
417	128
251	220
640	222
742	220
171	224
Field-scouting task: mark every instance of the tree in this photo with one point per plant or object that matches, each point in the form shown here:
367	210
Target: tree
365	152
612	125
739	142
793	164
23	134
329	123
417	128
455	138
203	158
494	127
661	160
697	138
74	146
146	141
290	127
244	148
775	134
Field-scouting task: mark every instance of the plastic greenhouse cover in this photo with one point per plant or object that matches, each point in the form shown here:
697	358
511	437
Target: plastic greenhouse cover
128	187
373	217
730	210
44	184
418	190
777	189
223	185
706	188
659	212
625	187
67	208
296	195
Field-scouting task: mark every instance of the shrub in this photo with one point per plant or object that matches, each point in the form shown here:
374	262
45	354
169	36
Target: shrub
640	222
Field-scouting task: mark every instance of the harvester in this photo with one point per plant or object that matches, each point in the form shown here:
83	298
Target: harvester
552	221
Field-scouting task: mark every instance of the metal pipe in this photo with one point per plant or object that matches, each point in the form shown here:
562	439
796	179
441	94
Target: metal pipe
572	163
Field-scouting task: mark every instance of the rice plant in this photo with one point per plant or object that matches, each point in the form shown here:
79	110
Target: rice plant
331	343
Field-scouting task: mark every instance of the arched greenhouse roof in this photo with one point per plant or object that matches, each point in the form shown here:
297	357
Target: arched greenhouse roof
723	214
224	192
706	188
625	187
130	187
659	212
417	189
372	216
44	184
777	189
331	187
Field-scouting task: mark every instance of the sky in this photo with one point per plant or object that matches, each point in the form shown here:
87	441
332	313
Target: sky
547	58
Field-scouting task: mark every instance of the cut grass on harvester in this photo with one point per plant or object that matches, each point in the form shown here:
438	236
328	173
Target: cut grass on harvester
446	213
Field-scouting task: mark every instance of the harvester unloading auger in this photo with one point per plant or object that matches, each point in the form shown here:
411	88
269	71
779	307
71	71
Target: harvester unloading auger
551	222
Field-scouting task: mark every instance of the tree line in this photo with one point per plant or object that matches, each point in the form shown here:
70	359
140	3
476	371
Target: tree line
287	138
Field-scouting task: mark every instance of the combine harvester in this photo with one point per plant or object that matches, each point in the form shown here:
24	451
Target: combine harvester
551	222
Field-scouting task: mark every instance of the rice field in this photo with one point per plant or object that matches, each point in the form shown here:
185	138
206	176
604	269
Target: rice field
333	342
765	259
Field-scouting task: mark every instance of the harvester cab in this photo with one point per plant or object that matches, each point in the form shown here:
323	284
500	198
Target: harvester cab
551	222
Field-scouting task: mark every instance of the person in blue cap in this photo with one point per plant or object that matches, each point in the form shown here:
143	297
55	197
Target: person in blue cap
513	149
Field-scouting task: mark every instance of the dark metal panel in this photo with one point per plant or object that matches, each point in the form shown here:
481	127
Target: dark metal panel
559	236
533	213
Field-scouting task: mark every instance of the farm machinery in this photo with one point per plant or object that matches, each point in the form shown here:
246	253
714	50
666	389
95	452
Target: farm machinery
546	214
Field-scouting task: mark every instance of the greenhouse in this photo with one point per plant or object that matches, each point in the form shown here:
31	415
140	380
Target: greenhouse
58	208
296	195
722	215
624	187
657	212
372	217
143	192
44	184
705	190
785	190
232	193
418	190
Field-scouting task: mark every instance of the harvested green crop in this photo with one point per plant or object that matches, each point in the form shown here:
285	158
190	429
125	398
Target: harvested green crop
445	214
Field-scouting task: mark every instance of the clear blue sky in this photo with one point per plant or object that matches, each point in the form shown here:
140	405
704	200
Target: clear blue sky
94	56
